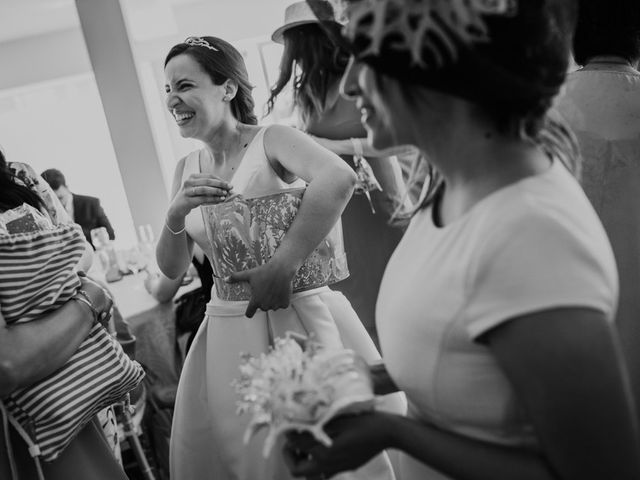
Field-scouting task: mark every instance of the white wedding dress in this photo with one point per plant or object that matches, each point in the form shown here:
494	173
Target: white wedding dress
206	439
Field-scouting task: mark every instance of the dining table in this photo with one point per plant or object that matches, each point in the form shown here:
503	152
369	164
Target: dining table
150	323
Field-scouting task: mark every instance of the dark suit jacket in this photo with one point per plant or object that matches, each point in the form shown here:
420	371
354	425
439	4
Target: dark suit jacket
88	213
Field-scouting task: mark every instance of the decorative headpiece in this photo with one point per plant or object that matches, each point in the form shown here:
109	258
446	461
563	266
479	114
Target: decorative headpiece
430	30
514	52
200	42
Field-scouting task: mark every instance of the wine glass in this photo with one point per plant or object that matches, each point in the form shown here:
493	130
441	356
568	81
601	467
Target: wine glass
145	234
147	245
135	260
99	237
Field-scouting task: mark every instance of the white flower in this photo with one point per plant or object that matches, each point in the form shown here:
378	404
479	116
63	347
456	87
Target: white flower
291	388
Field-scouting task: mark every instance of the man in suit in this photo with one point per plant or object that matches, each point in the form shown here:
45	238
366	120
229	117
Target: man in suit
83	209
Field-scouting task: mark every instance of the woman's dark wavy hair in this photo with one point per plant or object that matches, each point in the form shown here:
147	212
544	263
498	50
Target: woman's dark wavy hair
607	28
315	63
225	63
13	193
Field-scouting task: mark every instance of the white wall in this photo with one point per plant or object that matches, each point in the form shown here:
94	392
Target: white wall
49	56
50	111
60	124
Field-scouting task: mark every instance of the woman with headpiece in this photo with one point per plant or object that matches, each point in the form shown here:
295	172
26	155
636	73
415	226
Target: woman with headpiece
495	312
313	65
209	95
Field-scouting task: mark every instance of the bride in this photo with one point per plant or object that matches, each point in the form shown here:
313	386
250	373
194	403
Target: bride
208	94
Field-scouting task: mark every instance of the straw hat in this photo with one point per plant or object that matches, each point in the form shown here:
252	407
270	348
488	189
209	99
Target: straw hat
296	14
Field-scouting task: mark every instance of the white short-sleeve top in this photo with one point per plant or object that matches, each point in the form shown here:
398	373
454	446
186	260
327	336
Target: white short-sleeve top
533	245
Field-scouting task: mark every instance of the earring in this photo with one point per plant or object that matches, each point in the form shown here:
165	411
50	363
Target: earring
227	98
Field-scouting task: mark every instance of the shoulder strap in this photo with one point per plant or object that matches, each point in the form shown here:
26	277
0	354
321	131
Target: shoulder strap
191	164
34	449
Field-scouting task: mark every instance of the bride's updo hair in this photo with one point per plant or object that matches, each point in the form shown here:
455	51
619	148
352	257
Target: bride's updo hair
221	61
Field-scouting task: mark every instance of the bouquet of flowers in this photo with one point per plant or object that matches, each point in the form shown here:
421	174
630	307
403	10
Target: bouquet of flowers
301	389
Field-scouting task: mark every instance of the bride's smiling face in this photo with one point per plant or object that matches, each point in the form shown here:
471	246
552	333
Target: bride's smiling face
193	100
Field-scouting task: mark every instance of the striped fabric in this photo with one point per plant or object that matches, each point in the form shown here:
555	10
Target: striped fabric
37	271
56	408
37	274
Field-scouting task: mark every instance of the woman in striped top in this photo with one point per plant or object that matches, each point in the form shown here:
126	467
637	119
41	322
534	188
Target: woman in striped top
31	351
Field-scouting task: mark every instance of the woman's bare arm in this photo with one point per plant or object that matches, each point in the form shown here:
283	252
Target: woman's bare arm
330	186
174	252
566	368
32	350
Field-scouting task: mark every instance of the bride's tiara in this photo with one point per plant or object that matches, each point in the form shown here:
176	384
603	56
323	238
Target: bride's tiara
200	42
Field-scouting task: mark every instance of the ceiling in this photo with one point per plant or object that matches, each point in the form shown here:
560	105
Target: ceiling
25	18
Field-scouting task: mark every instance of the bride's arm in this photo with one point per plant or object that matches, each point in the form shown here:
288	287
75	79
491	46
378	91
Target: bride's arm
175	248
355	146
330	186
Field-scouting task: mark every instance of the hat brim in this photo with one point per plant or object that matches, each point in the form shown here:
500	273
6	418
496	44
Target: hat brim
278	35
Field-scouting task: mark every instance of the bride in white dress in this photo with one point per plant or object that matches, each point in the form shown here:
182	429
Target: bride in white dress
208	94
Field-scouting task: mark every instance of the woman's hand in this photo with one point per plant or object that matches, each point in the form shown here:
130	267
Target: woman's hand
271	286
356	440
198	189
99	298
150	280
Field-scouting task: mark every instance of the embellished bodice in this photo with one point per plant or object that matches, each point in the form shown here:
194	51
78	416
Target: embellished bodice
254	178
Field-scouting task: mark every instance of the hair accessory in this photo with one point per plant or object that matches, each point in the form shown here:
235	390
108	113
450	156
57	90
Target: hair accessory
517	50
200	42
425	28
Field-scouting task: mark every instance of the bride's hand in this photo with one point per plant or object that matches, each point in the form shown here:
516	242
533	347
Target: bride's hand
271	286
199	189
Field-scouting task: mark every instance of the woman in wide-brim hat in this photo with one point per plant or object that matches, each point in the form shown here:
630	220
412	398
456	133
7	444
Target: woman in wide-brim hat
495	312
312	66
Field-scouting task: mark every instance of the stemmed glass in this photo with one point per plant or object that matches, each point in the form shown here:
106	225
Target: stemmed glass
145	234
135	260
99	237
146	246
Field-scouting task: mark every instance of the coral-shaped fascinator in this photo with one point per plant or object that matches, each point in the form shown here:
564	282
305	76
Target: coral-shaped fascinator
431	31
507	52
